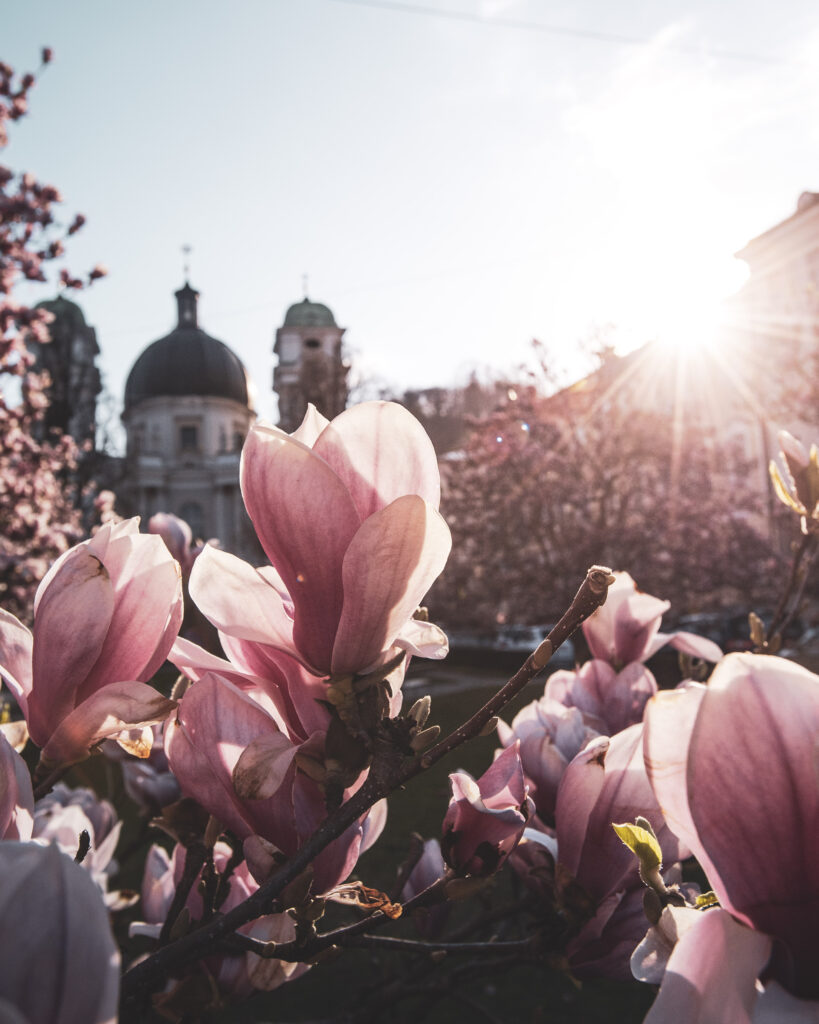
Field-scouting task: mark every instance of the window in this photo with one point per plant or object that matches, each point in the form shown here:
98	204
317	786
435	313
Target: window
238	441
188	438
312	343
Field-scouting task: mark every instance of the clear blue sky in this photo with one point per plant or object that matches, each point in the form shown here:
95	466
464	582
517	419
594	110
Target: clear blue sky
453	185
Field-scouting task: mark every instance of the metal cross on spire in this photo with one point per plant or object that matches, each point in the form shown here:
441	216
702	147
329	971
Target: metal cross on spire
186	249
304	284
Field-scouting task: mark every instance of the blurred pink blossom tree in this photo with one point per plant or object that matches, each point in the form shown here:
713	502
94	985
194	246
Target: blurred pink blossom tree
38	516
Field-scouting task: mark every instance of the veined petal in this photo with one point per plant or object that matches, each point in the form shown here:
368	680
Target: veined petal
147	588
70	627
239	601
697	646
305	520
381	452
391	563
111	710
754	800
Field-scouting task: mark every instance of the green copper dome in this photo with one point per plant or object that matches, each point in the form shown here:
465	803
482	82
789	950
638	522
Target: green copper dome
309	314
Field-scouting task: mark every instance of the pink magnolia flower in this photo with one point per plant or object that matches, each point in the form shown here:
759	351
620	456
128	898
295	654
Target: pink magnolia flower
149	781
64	814
607	783
626	628
609	701
486	818
60	961
235	975
235	752
105	616
347	514
733	766
549	735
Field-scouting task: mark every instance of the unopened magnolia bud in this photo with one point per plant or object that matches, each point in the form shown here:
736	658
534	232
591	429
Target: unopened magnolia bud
419	711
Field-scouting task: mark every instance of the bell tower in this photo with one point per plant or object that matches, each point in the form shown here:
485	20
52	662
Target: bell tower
311	366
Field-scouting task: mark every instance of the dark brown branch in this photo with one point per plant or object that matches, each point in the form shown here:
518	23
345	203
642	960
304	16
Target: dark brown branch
388	771
194	859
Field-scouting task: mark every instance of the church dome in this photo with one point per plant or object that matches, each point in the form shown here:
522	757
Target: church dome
187	362
309	314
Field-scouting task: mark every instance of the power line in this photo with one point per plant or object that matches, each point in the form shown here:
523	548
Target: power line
594	35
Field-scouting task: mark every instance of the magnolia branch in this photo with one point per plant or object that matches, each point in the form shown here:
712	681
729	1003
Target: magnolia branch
389	770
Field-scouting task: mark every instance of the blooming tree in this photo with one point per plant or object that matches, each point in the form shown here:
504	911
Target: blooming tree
38	514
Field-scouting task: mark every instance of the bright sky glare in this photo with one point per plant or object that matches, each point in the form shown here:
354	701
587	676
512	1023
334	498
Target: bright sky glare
454	180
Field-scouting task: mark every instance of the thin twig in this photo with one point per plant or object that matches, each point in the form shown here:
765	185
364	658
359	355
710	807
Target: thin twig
194	859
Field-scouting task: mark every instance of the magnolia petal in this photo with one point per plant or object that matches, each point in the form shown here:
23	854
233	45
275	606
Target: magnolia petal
423	639
649	959
591	796
310	427
16	733
70	627
758	814
16	796
215	722
391	563
262	766
696	646
147	589
373	825
112	710
711	974
67	968
381	452
16	646
305	520
268	974
669	720
239	601
636	623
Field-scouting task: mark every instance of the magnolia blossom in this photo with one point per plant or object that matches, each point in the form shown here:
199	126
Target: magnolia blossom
549	735
238	752
105	616
60	961
801	491
607	783
733	766
486	818
347	514
235	975
626	628
64	814
612	689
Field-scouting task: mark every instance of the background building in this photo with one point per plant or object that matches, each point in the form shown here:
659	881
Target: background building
311	366
188	408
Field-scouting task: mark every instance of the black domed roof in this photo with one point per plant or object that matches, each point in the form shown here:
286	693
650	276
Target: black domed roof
187	362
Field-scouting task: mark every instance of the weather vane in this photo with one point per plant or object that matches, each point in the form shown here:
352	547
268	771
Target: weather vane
304	284
186	249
